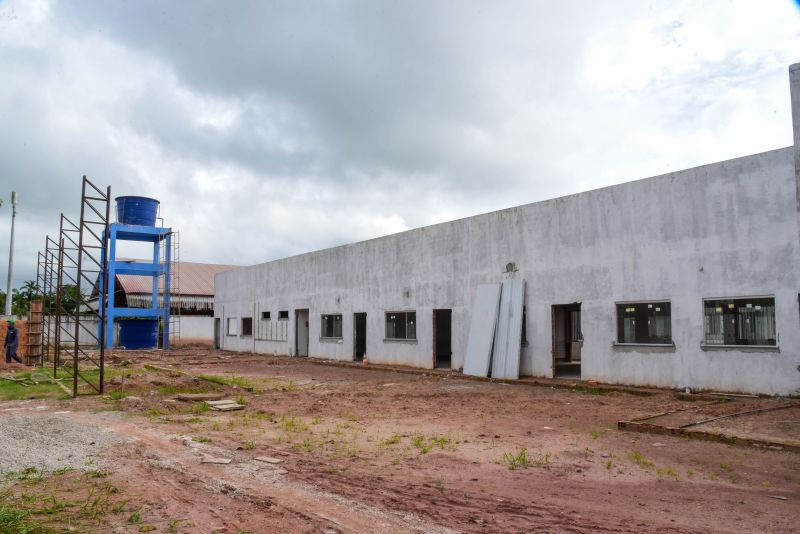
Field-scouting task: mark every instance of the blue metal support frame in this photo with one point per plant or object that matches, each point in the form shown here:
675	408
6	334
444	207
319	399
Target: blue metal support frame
154	235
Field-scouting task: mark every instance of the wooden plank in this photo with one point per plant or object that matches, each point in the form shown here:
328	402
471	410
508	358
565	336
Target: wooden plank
268	459
227	407
210	460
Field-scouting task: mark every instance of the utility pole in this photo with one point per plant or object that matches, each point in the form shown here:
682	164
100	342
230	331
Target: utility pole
11	252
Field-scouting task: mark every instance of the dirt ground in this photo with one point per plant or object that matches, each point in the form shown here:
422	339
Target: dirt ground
379	450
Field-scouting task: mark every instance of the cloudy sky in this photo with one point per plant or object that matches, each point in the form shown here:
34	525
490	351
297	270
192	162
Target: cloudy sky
270	128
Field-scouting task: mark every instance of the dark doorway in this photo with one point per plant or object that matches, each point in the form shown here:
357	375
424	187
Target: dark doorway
216	332
359	336
442	347
567	340
301	332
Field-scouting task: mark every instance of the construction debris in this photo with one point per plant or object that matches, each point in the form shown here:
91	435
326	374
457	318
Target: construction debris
225	405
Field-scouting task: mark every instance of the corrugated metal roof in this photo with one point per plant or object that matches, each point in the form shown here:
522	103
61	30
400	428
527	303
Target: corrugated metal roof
193	279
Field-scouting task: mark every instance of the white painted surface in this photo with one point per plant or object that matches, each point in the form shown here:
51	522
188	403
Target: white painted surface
508	337
481	330
720	230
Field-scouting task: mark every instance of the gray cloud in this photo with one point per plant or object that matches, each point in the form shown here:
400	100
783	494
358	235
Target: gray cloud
273	128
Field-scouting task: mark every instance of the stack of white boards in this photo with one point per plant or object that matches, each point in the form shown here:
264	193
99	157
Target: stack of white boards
225	405
495	332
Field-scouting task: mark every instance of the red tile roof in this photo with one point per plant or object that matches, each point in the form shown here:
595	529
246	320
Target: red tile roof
192	278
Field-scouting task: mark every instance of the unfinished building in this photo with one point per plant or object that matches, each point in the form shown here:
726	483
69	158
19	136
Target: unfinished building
689	279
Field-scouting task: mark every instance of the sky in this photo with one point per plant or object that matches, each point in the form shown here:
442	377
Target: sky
272	128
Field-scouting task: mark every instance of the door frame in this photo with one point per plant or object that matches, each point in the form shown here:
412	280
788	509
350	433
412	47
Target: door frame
355	336
566	310
434	329
297	330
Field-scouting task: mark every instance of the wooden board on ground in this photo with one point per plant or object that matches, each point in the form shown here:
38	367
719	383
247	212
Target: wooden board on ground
210	460
199	396
268	459
225	405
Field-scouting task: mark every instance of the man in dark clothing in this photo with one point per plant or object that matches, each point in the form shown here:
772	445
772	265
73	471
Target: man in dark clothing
11	343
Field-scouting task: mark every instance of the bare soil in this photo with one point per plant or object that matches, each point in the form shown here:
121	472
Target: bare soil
380	450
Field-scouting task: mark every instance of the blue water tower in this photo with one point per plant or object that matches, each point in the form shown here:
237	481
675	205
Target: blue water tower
139	327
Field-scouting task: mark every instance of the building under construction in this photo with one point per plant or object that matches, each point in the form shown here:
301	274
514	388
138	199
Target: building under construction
689	279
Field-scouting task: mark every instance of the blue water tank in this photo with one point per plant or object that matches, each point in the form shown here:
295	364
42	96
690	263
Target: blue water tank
138	333
137	210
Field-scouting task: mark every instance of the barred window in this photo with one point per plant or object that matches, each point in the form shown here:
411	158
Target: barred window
743	321
331	326
401	325
644	322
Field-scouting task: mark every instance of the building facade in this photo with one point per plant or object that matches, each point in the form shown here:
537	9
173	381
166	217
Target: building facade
689	279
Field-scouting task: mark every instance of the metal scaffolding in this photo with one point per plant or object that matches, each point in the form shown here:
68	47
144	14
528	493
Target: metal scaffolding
70	272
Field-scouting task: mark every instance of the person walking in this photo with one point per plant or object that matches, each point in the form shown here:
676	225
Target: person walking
11	343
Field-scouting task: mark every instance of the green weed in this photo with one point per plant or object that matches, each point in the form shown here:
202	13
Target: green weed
518	460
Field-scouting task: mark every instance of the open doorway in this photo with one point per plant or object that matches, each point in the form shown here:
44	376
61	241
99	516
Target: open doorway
216	332
442	347
301	332
567	340
359	336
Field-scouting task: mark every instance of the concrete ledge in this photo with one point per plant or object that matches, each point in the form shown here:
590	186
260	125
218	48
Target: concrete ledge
642	347
741	348
409	341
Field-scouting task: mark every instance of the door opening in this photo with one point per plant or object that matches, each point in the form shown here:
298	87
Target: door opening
442	347
359	336
301	332
216	332
567	340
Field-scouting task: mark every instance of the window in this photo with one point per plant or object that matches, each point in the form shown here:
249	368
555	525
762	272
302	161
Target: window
283	315
265	315
746	321
644	322
230	327
247	326
401	325
331	326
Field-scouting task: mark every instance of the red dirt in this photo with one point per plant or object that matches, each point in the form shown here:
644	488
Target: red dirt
353	457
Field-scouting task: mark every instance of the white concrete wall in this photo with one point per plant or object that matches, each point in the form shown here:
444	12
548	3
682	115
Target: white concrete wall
721	230
196	329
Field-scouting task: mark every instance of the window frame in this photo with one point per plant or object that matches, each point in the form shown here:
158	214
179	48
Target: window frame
266	316
323	316
619	343
231	321
281	316
406	339
242	323
705	345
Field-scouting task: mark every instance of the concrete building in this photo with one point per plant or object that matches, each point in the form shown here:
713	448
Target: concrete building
689	279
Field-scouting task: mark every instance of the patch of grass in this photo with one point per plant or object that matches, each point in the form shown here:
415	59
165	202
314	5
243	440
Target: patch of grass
285	386
118	395
418	440
201	407
391	440
135	517
238	381
638	458
293	424
13	519
147	528
249	445
201	439
30	385
154	412
667	471
542	459
599	433
315	420
518	460
241	400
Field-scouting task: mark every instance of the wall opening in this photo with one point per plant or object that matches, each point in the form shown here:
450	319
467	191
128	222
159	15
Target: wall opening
359	336
442	345
301	332
217	327
567	340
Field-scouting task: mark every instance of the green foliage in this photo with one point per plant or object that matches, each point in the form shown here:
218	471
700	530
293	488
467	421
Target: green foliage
518	460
